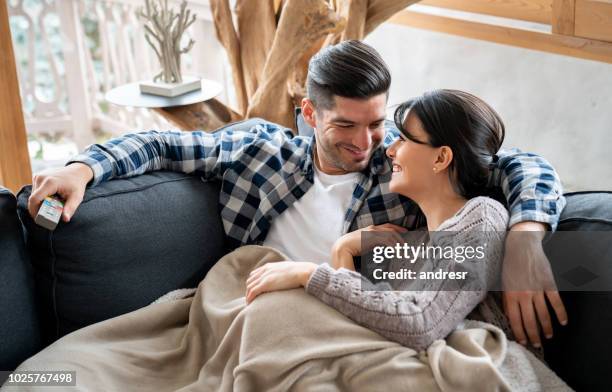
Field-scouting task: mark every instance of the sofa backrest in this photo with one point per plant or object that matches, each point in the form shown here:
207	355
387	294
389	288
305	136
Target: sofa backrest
131	241
19	324
589	210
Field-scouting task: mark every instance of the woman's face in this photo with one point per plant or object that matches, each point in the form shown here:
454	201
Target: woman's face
413	163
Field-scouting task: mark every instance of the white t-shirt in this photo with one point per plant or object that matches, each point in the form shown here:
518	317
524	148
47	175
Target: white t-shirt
307	230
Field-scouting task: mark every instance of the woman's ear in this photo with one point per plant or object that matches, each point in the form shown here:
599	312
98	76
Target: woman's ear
309	112
443	159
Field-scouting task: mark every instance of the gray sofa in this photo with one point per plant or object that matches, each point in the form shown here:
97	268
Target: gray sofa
132	240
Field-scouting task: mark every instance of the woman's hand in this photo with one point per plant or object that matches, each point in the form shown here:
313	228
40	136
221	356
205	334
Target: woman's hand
283	275
349	245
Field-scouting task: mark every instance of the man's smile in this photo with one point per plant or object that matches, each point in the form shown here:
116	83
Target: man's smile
355	152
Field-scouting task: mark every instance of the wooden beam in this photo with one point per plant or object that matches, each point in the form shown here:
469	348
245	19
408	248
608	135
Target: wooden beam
538	11
563	17
552	43
15	170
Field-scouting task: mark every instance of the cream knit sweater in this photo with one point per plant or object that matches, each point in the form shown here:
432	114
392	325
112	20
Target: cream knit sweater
418	318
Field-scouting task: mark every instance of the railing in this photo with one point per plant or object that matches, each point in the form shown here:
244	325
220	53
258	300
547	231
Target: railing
70	52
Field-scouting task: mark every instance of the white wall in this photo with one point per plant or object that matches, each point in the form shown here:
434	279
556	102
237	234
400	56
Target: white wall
559	107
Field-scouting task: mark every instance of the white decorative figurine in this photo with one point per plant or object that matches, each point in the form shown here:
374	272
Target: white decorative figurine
164	29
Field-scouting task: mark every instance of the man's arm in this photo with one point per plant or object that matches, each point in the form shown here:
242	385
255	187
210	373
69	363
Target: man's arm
528	283
535	200
208	154
531	185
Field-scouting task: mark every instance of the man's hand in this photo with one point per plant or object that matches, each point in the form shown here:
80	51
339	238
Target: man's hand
283	275
69	183
528	282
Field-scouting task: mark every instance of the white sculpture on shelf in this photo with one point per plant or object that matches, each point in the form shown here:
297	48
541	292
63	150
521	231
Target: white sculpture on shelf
164	29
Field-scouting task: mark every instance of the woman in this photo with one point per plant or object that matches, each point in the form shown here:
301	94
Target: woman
441	161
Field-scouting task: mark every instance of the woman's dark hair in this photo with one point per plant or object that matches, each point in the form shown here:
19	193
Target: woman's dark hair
465	123
349	69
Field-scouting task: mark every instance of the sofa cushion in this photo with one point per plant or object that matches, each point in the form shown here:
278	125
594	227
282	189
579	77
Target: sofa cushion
131	241
19	323
579	351
587	211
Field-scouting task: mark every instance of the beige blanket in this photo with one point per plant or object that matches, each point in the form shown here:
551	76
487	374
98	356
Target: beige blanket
283	341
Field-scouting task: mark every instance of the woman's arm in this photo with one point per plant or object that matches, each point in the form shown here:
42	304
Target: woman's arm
341	258
350	244
412	318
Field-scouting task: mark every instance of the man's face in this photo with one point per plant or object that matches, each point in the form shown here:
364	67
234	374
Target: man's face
347	134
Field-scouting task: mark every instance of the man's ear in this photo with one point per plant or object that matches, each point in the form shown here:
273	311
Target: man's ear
309	112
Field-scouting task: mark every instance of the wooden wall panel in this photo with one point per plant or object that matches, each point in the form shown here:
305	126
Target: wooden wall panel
594	19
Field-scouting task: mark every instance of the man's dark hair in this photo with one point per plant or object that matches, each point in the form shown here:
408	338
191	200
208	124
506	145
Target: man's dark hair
350	69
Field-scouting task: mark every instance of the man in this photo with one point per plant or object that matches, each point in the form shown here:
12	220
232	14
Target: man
292	192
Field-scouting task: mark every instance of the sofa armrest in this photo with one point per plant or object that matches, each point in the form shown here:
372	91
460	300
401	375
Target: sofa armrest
19	324
579	351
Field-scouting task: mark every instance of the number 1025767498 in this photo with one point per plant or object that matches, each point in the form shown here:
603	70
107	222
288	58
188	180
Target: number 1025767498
41	378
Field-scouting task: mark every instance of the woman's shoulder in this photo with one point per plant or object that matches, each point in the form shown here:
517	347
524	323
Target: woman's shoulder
484	203
493	214
480	213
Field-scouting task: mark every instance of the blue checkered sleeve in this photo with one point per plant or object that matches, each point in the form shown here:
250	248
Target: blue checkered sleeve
206	154
531	185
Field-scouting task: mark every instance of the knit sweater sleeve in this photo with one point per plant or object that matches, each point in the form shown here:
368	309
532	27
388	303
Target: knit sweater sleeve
417	318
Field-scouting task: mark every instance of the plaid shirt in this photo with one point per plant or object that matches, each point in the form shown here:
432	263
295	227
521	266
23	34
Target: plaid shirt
265	169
